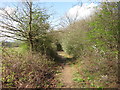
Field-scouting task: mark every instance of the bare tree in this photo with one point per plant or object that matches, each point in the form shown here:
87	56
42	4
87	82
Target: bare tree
25	24
68	19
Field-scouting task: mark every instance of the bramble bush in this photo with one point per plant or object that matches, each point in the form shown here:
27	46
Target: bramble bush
26	70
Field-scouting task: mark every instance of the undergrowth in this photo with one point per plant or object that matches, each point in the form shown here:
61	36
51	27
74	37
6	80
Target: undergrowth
26	70
94	71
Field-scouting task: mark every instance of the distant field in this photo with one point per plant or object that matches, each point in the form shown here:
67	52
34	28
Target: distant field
16	49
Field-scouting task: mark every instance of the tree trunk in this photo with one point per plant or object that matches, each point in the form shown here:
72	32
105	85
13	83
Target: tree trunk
30	28
31	42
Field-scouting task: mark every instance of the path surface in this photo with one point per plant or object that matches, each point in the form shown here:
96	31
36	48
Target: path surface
66	76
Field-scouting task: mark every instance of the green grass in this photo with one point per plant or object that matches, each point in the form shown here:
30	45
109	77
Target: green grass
60	84
78	79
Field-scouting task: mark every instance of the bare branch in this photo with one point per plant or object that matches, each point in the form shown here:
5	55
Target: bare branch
9	27
4	35
11	17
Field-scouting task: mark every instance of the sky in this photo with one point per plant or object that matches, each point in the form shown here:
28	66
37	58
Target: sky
60	8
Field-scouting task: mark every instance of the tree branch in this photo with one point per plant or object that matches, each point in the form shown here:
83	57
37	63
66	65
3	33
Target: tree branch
4	35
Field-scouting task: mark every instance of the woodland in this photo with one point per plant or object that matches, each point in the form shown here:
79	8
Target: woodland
84	54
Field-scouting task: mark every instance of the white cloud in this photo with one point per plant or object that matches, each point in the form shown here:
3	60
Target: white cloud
78	13
81	12
10	11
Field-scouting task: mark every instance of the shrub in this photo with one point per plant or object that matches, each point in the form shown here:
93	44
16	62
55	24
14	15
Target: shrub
26	71
74	38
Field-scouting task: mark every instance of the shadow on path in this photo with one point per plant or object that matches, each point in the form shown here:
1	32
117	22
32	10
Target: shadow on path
66	76
64	58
